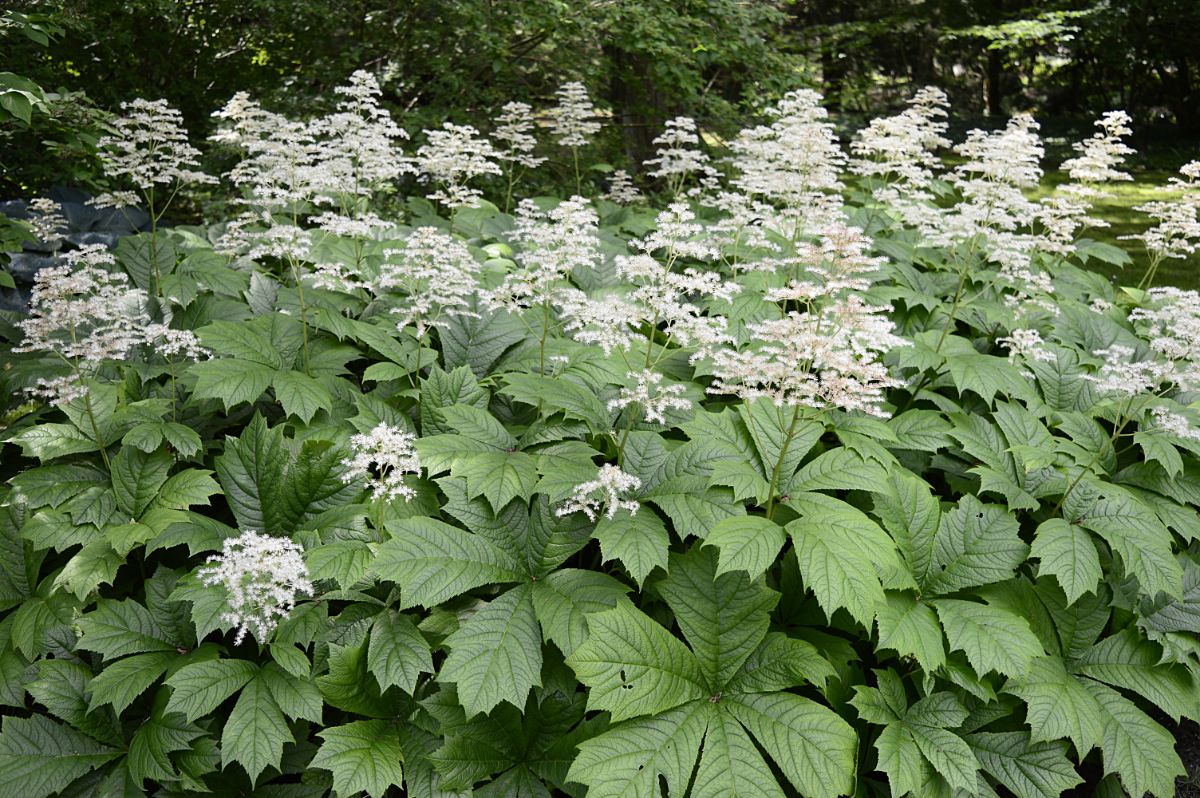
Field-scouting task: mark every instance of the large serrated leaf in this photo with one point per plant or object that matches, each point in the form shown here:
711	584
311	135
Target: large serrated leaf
497	654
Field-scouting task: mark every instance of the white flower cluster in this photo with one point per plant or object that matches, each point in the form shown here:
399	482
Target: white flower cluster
1171	323
87	314
652	397
795	161
1176	424
435	275
573	121
552	244
602	495
824	359
901	149
452	156
514	130
381	458
621	189
837	262
47	221
677	158
604	321
1100	155
337	160
1025	344
262	576
149	149
1121	375
1177	232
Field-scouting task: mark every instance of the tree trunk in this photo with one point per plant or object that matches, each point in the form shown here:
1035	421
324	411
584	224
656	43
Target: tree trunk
638	107
993	76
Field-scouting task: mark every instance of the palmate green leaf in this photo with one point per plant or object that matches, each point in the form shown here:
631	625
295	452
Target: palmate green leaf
199	688
1028	769
94	565
116	628
478	339
911	628
987	376
433	561
900	758
976	544
639	540
350	686
1057	705
916	735
136	478
557	394
628	760
810	743
1136	534
344	561
241	341
186	488
478	425
498	476
724	618
1125	660
297	696
496	655
1067	552
747	543
841	553
121	682
154	741
441	389
255	732
731	764
692	506
838	469
50	486
49	441
768	425
231	381
398	653
301	395
61	687
632	666
991	637
1136	748
912	515
39	757
252	470
364	756
566	598
781	662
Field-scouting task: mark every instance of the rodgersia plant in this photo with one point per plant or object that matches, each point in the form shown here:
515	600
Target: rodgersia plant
514	134
573	123
452	156
837	475
261	576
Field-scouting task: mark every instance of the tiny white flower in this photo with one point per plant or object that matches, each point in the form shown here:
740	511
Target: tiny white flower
381	458
602	495
262	576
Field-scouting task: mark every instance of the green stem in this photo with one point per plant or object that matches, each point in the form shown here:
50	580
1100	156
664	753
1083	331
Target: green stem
303	316
1124	419
787	442
87	406
542	338
937	349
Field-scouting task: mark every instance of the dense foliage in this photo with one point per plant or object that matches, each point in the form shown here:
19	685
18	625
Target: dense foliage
719	61
837	473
